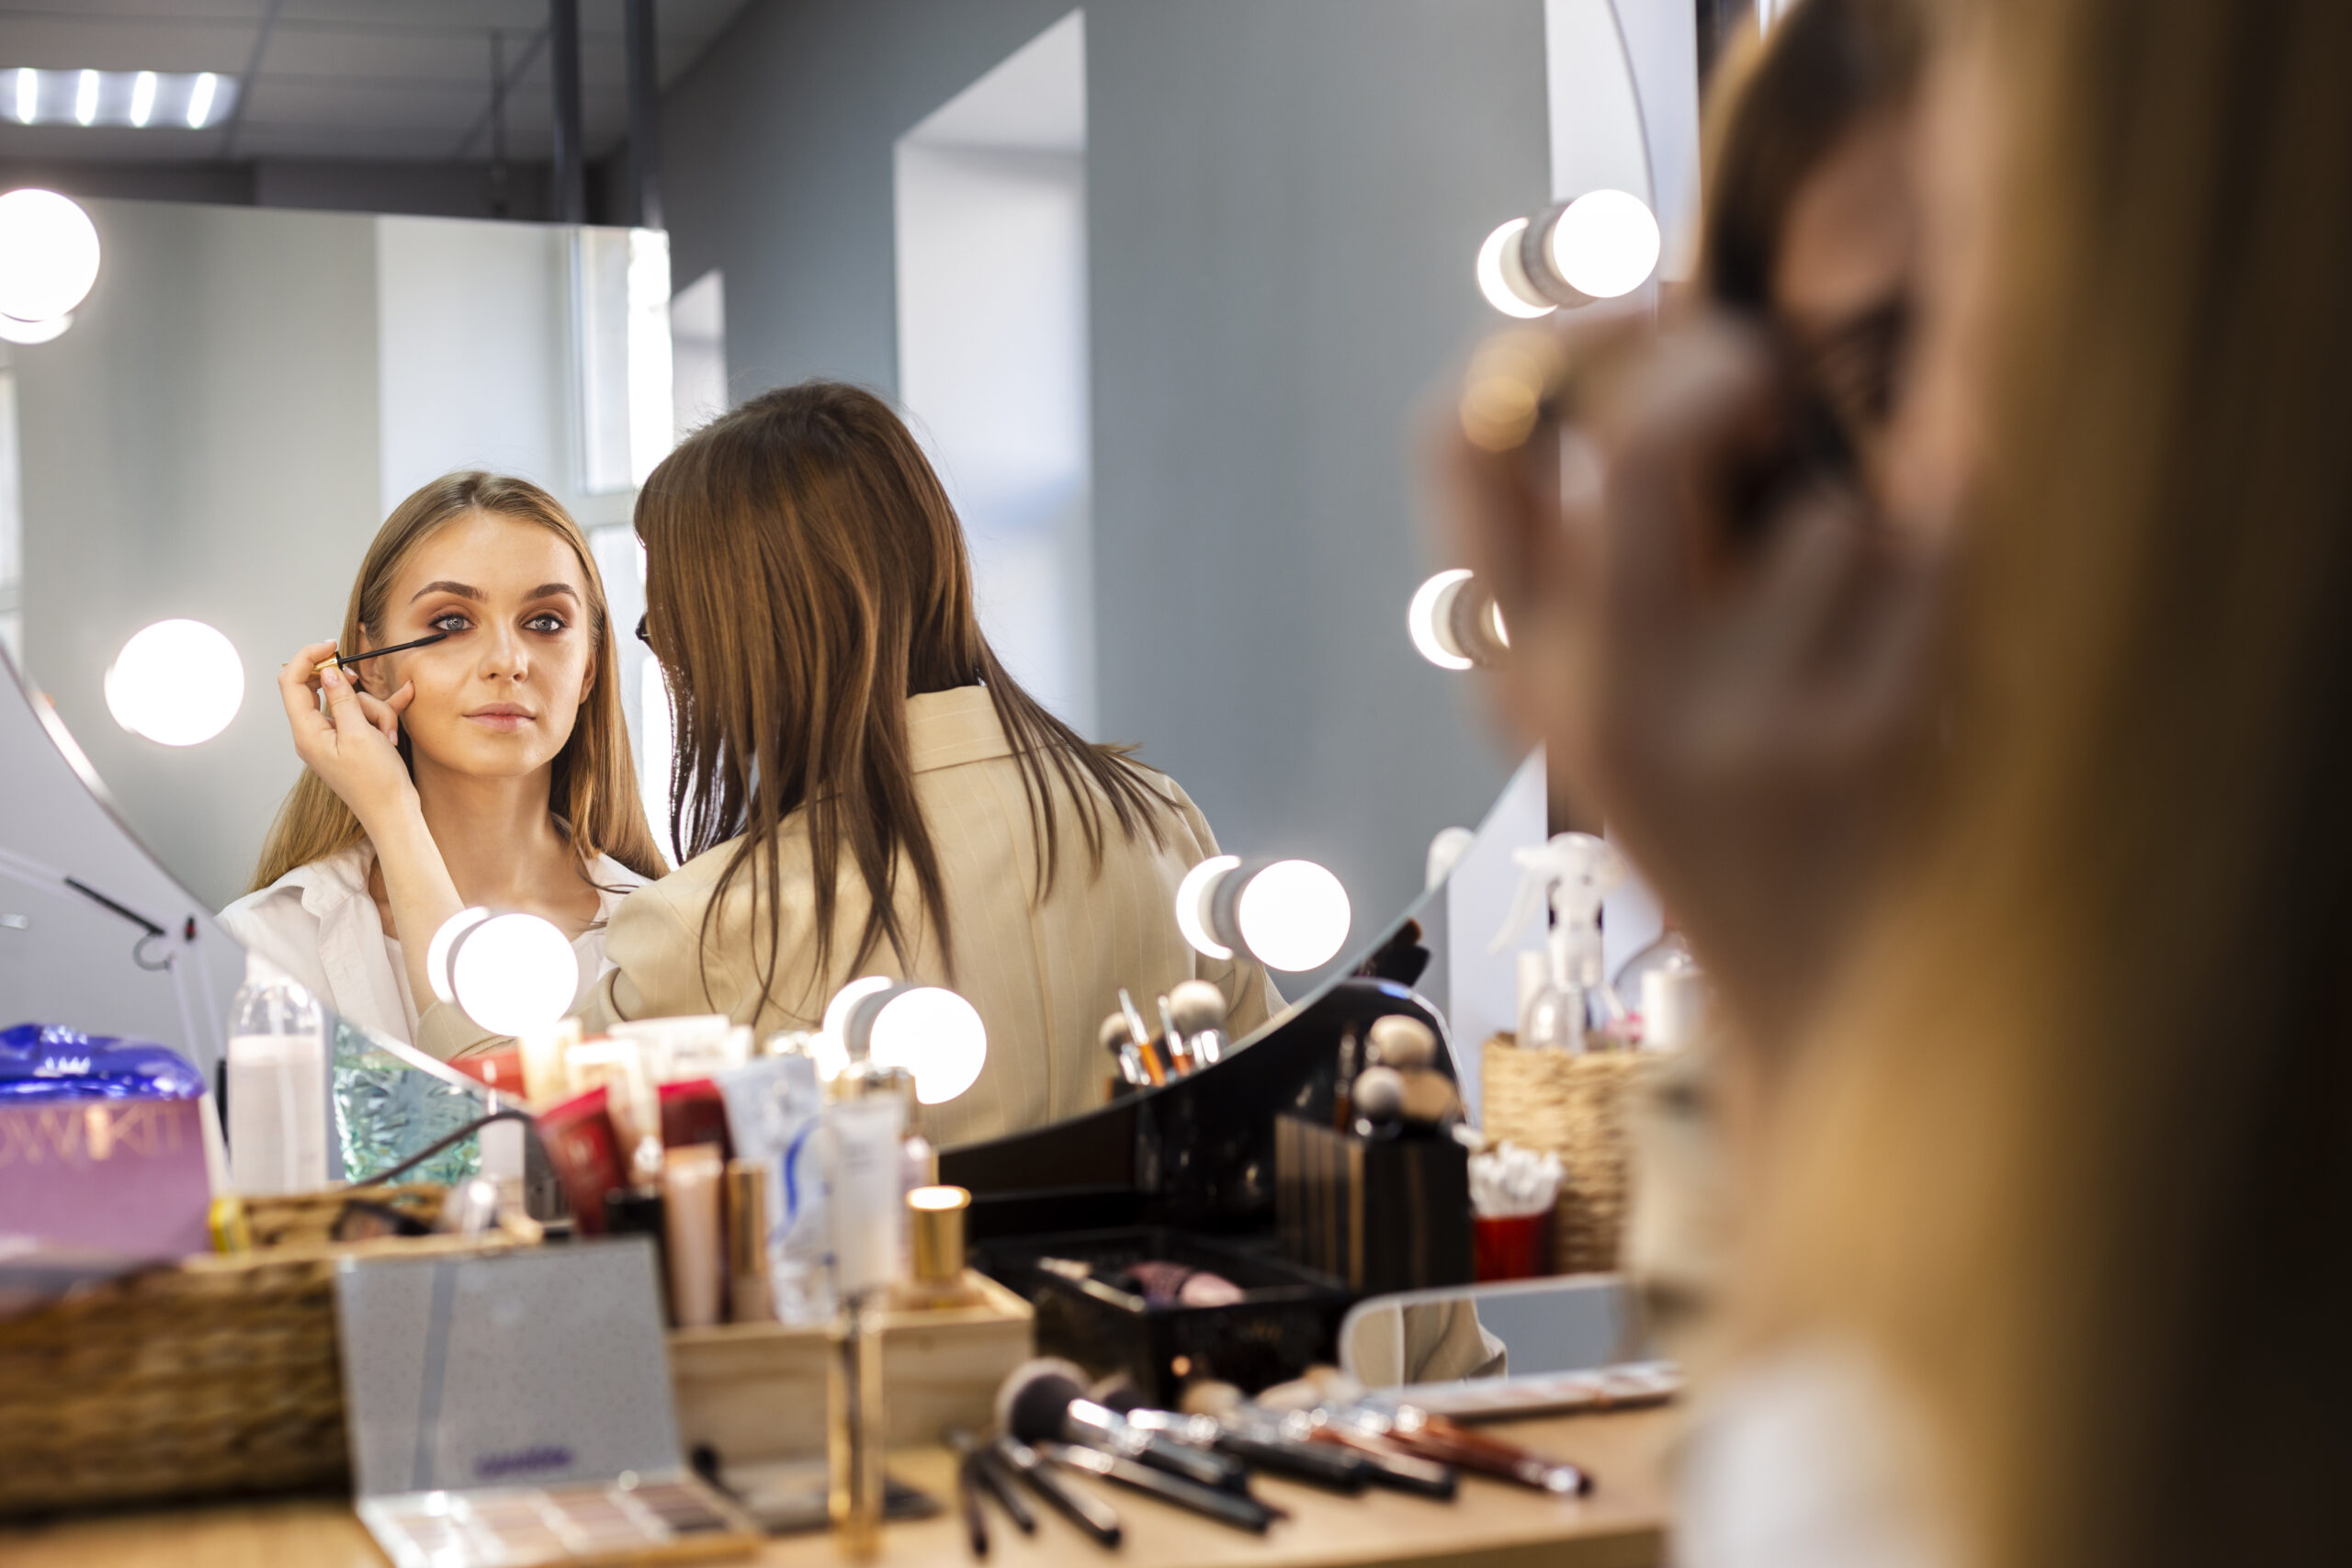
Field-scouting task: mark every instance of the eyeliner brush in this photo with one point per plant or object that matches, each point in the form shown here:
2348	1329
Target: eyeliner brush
342	661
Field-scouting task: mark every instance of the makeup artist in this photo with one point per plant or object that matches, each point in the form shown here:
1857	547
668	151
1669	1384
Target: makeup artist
860	787
507	750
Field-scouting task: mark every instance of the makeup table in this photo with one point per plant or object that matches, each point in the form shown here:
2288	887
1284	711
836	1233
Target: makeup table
1490	1525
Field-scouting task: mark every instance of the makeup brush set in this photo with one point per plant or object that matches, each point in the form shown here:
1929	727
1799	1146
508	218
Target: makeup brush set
1057	1436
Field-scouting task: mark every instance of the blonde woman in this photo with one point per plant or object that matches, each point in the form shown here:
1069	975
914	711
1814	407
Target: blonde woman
512	752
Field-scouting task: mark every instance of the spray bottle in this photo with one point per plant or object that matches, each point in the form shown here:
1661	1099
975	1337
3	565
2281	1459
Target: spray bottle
1573	874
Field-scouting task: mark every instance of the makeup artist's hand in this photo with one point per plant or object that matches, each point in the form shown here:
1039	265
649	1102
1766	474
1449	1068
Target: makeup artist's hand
1735	675
354	743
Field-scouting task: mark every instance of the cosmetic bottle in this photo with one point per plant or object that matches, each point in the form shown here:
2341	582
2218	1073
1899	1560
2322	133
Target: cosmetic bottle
865	1118
690	1189
1574	1010
277	1085
1668	952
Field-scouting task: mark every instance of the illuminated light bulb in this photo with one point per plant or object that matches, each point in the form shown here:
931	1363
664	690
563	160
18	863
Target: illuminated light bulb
514	974
1294	915
837	1011
85	99
1288	914
1502	280
178	683
931	1032
1424	619
143	97
15	331
437	953
27	95
1192	896
200	100
1605	244
48	254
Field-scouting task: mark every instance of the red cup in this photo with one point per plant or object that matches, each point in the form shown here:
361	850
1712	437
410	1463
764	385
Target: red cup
1516	1247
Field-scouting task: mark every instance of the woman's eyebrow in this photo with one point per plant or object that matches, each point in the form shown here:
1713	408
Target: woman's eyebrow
549	590
446	586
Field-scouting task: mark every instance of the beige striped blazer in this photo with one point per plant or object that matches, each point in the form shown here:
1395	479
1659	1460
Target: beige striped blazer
1043	968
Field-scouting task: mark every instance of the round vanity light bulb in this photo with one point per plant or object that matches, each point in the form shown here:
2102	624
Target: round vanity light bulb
1606	244
178	683
832	1048
50	330
1496	265
48	254
1423	615
1294	915
514	972
934	1034
1192	896
436	952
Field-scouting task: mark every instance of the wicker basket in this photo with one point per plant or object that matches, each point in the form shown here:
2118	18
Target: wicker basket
1575	1107
217	1375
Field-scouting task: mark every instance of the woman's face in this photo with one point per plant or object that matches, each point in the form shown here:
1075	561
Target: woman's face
498	697
1844	278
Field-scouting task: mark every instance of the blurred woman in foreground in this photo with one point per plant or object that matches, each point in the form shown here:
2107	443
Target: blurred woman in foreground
2047	1269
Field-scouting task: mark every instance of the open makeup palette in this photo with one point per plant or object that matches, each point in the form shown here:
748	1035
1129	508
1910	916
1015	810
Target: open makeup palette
515	1410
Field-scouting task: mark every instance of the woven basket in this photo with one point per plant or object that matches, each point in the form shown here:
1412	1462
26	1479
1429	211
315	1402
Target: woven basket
1573	1106
217	1375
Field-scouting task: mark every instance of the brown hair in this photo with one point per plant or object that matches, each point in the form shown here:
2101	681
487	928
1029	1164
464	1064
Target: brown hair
2077	1160
595	784
805	576
1778	106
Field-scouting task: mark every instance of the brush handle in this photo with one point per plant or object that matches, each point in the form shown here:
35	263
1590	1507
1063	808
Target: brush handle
1234	1508
1083	1509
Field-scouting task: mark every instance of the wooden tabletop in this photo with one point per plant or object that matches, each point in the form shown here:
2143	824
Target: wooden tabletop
1490	1525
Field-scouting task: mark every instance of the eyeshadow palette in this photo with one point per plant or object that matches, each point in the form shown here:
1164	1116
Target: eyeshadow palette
629	1520
514	1409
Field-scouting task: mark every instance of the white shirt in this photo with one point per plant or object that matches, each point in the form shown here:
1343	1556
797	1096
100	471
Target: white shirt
319	923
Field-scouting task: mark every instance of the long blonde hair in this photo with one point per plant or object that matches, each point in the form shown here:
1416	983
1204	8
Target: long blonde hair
2075	1161
595	784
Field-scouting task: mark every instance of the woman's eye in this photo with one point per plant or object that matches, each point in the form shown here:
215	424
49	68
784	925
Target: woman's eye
548	623
448	621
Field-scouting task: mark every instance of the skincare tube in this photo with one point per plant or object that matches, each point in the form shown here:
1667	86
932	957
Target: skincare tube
690	1181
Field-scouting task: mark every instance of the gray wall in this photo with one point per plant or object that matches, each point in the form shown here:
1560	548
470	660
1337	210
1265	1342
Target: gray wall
203	443
1285	197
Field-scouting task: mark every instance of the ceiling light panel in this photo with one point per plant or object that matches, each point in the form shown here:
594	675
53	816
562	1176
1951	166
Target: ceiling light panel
151	100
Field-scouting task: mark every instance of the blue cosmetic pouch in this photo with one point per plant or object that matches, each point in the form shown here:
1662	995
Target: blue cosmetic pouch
49	1061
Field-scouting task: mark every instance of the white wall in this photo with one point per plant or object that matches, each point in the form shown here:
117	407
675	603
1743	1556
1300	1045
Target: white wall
991	209
203	442
243	397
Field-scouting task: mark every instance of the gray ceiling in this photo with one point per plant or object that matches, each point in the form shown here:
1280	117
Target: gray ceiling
364	79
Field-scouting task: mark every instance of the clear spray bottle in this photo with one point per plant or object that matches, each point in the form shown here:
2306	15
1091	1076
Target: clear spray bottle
1574	1008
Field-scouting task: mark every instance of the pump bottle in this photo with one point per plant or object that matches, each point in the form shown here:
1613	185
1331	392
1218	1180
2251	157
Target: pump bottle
1574	1008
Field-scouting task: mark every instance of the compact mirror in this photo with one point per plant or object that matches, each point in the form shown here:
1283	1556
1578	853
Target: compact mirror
1511	1348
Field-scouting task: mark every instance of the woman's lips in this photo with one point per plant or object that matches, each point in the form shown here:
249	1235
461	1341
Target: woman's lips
502	717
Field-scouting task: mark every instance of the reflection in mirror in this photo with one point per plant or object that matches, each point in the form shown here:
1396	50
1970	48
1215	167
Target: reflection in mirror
1165	290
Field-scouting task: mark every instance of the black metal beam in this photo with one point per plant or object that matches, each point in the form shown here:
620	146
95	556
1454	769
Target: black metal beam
570	166
644	114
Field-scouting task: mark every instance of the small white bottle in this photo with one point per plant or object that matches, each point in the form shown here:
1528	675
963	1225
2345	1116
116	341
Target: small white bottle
277	1085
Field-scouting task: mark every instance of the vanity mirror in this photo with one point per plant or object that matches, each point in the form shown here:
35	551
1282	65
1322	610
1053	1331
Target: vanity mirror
1164	291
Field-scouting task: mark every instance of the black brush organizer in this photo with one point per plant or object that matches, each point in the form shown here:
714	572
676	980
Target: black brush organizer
1287	1320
